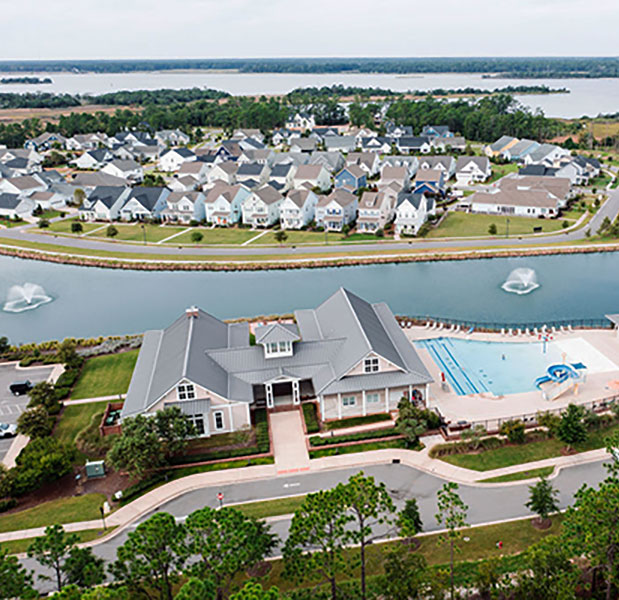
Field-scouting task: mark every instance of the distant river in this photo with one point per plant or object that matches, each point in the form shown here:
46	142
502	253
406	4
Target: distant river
588	96
90	301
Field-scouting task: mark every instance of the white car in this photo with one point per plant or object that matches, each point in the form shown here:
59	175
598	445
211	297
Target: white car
7	430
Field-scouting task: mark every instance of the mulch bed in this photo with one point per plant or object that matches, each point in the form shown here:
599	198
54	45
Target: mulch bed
541	524
259	570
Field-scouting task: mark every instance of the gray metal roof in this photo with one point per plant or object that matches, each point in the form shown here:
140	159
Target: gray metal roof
334	338
277	332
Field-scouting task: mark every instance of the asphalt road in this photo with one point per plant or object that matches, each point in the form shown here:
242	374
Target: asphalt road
12	406
610	209
486	503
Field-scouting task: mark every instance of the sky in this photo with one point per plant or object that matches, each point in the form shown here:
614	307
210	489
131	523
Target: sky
72	29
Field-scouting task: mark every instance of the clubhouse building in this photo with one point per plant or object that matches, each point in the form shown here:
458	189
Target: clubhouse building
347	355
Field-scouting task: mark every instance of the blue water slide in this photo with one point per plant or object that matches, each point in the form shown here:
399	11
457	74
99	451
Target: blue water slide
560	373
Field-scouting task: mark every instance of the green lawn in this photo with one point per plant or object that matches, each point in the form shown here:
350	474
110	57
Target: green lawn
51	214
354	421
135	232
74	418
520	475
460	224
106	375
63	510
11	222
217	235
499	171
315	237
271	508
87	535
400	443
64	226
507	456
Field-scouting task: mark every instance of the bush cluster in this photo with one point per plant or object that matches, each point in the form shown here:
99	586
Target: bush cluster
317	440
311	417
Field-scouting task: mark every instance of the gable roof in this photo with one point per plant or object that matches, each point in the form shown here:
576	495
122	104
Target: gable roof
106	194
413	198
277	332
146	196
268	194
298	197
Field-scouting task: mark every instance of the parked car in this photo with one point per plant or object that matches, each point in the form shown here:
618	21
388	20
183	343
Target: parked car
7	431
20	388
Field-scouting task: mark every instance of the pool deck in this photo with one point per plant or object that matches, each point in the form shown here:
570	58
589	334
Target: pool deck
487	407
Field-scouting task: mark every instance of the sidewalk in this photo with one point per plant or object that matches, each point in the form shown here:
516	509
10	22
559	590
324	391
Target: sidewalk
289	446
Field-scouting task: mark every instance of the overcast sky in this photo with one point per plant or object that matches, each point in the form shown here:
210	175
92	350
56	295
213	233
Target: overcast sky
65	29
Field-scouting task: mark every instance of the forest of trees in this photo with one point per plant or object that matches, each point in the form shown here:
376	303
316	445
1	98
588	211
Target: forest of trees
508	66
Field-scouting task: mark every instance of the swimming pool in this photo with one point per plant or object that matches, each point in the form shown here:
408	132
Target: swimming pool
475	367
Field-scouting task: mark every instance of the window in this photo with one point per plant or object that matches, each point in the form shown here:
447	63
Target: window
272	347
218	417
283	346
198	423
370	365
186	391
372	398
349	401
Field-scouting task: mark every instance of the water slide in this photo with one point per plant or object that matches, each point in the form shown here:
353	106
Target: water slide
560	378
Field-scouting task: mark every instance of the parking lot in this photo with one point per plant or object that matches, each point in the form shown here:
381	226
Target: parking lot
12	406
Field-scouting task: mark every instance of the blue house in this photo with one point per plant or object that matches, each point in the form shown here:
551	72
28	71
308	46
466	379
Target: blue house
436	131
430	182
351	178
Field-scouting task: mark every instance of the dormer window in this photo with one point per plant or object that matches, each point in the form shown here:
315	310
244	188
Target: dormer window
272	349
186	391
370	365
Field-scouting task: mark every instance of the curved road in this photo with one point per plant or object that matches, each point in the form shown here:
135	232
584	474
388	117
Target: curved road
610	209
487	503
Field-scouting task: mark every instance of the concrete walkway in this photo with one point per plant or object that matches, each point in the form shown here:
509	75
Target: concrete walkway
114	398
289	447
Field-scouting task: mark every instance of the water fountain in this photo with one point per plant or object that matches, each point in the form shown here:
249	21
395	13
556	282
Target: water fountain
25	297
521	281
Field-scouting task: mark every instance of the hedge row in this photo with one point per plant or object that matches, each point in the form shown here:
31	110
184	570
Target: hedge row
317	440
311	417
262	431
354	421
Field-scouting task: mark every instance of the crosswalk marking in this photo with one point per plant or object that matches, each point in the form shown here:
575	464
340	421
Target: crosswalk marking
11	409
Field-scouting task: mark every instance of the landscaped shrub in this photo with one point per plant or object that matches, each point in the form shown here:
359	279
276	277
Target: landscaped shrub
311	417
514	431
7	504
89	440
137	489
262	430
317	440
354	421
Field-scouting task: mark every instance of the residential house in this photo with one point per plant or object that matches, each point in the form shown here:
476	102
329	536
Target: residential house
411	212
250	144
447	164
368	161
311	176
87	141
351	178
560	188
184	207
24	185
396	178
412	144
398	131
331	161
430	182
340	143
290	158
229	150
449	144
132	138
302	144
224	171
252	171
172	137
21	166
519	150
103	203
224	204
545	154
243	134
49	200
521	203
376	210
378	144
186	183
280	137
472	169
146	152
46	141
500	146
336	210
93	159
261	208
174	158
144	203
198	169
301	121
8	155
127	169
410	162
298	209
283	175
348	356
90	180
436	131
13	206
264	156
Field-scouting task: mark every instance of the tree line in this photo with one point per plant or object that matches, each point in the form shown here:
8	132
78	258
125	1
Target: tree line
518	66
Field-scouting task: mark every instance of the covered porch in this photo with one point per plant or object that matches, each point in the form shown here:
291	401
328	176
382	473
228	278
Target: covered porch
282	391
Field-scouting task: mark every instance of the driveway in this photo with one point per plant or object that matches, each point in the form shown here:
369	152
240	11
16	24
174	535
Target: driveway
12	406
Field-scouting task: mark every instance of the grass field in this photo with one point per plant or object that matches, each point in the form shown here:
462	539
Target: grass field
460	224
135	233
218	235
74	418
524	453
499	171
64	226
87	535
520	475
315	237
106	375
11	222
63	510
271	508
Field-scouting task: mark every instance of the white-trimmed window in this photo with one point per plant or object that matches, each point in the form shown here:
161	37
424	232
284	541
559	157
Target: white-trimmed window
218	418
370	365
186	391
349	400
372	398
198	423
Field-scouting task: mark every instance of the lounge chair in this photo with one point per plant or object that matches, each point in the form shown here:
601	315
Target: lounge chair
502	330
519	332
569	328
527	332
440	326
562	329
427	325
535	332
554	330
457	329
470	330
510	332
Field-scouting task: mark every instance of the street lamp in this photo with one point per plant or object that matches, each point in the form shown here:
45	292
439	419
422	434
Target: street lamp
143	232
507	227
102	511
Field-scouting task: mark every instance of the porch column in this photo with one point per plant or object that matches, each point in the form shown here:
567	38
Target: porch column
363	403
296	394
426	397
339	406
386	399
321	398
230	418
268	387
410	393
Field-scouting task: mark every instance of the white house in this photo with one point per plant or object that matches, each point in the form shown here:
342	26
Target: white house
446	164
13	206
376	209
396	178
225	171
301	121
224	204
93	159
283	175
311	176
184	207
368	161
104	203
174	158
172	137
410	213
252	172
336	210
49	200
298	209
472	169
128	169
24	185
145	203
261	208
521	203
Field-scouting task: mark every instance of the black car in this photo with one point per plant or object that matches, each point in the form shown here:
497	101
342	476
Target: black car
20	388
